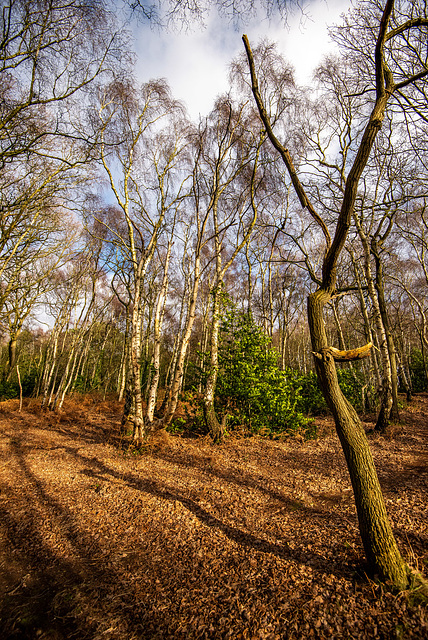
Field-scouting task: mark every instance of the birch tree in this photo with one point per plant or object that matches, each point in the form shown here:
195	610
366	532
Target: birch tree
144	137
228	176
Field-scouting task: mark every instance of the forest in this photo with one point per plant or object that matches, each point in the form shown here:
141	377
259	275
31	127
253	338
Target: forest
255	281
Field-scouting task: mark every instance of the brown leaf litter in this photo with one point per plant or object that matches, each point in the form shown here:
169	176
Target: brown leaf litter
252	539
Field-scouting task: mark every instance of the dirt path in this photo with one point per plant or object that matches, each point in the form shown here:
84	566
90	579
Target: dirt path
254	539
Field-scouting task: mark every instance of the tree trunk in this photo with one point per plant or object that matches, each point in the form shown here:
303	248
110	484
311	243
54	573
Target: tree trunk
215	428
386	389
379	283
379	543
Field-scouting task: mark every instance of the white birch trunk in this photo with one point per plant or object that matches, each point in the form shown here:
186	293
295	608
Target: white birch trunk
160	308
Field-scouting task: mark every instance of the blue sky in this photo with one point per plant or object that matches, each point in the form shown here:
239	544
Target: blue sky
195	62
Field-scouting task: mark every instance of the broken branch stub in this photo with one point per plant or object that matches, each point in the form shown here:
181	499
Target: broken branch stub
344	356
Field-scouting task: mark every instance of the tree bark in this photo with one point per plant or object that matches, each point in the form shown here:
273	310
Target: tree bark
379	543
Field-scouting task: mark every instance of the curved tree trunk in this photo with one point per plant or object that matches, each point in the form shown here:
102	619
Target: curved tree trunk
379	543
376	533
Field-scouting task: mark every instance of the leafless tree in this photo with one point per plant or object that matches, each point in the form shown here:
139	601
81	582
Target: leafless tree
388	32
144	137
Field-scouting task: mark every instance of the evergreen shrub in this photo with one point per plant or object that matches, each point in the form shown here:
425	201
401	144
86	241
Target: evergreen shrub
251	387
417	371
8	390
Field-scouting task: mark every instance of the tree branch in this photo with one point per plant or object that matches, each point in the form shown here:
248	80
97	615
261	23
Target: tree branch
283	151
345	356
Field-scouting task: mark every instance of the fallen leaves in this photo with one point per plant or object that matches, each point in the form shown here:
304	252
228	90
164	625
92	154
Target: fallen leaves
252	539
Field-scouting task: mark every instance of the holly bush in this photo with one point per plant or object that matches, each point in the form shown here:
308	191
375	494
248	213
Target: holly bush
417	371
251	387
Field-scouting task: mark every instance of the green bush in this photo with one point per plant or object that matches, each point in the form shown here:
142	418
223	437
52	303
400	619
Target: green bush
351	382
8	390
251	388
417	371
29	381
255	393
312	399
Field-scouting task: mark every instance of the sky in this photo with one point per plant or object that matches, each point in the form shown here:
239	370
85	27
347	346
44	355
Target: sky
196	62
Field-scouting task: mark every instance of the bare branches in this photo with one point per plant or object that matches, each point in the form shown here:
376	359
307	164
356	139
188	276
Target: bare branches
383	78
283	151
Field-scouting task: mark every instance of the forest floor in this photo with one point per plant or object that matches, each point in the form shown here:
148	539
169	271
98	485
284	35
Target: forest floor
252	539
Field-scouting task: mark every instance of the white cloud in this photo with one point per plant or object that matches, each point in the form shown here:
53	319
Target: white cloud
307	41
196	63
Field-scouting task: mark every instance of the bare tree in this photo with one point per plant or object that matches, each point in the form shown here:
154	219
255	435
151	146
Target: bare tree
387	36
230	148
50	52
144	138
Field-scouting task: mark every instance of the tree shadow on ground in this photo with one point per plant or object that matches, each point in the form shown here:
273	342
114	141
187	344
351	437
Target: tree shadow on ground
68	594
101	472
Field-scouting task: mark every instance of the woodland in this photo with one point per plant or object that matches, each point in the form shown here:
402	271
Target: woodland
220	290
